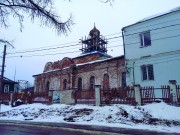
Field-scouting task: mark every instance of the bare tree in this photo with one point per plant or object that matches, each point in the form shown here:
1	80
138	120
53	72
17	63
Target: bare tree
9	43
41	9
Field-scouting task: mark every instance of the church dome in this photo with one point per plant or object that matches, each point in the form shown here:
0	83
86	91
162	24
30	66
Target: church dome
94	32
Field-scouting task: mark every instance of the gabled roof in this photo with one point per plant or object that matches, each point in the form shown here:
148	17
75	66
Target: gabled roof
6	80
155	16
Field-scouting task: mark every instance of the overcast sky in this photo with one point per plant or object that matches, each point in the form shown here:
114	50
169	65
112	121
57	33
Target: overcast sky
108	19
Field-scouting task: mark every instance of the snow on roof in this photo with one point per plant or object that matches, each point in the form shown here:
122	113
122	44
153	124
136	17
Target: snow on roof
92	52
96	61
155	16
160	14
91	62
8	80
49	71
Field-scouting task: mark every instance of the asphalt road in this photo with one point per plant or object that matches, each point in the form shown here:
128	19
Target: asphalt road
38	128
45	130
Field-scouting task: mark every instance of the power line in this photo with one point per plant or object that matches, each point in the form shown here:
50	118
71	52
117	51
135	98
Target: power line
40	49
79	51
153	24
50	46
154	29
157	62
80	44
146	26
42	54
47	49
157	59
52	53
154	39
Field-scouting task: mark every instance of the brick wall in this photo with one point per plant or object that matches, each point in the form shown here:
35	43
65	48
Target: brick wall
114	67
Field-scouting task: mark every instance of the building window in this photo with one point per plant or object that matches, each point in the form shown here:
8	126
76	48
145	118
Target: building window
79	83
47	86
92	82
106	82
145	39
65	84
147	72
123	80
6	88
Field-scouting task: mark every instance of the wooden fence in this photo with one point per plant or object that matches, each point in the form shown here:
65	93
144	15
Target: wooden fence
151	94
124	95
178	92
5	98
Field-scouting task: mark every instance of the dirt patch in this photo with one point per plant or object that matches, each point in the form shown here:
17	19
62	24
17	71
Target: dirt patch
77	113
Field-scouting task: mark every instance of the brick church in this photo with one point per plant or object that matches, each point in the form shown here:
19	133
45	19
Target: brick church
92	67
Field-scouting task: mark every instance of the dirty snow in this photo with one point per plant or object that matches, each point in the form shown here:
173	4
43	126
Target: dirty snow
155	116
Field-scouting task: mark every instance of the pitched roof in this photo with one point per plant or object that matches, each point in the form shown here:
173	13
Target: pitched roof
160	14
154	16
6	80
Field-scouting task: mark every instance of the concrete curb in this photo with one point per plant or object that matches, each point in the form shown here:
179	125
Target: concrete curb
84	127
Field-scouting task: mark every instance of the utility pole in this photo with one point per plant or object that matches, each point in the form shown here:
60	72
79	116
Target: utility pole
2	74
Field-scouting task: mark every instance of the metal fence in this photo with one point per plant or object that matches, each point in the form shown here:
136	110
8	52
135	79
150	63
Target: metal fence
26	97
85	96
121	95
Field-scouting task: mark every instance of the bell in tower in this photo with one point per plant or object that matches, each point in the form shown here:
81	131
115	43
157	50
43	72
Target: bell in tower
94	42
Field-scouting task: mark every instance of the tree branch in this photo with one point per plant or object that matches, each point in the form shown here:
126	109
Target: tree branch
41	9
2	41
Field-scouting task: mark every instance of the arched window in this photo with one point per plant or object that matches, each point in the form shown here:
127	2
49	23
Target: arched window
123	81
47	86
92	82
65	84
79	83
106	82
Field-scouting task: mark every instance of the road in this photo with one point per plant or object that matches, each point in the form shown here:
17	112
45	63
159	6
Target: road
46	130
38	128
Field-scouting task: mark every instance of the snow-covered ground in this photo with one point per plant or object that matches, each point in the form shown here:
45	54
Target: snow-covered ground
155	116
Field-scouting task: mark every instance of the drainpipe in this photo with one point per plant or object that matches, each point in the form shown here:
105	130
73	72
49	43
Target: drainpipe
133	74
123	43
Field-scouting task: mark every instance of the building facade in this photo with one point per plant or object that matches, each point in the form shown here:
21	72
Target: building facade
9	86
93	67
152	50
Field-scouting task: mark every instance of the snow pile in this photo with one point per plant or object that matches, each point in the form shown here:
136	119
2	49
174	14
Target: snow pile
156	116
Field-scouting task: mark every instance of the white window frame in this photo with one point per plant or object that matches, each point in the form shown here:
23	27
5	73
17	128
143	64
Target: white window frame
142	39
148	78
6	88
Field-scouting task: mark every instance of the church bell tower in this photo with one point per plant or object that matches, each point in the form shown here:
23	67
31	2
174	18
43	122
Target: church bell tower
94	42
